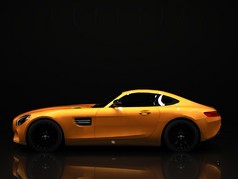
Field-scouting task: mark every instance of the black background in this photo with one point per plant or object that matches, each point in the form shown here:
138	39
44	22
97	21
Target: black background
66	52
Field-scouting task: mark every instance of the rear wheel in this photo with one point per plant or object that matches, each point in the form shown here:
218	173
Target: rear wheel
181	136
44	136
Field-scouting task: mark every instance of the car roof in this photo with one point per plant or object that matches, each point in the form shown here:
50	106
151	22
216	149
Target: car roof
152	91
144	91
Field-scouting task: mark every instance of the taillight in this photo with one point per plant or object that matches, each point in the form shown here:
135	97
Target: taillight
211	113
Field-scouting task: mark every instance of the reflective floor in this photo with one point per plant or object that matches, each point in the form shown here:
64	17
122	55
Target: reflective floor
213	159
115	165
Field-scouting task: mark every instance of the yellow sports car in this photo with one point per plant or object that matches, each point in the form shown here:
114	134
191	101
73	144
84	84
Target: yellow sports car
135	117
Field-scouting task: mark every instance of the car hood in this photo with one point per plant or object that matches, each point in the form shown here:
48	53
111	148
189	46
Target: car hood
74	106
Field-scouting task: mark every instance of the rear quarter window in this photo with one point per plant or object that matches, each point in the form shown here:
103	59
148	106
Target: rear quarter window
169	100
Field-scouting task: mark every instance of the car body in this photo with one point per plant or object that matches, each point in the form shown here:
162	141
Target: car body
134	117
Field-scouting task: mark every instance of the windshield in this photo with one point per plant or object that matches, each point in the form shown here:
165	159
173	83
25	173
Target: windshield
105	101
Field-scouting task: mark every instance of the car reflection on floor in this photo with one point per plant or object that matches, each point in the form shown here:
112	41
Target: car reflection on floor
104	166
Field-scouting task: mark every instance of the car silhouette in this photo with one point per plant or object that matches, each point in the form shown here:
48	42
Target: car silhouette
142	117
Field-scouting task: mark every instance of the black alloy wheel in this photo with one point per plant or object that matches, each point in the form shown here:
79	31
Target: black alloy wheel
181	136
44	136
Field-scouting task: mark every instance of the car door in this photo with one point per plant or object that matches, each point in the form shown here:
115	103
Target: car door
109	122
135	118
139	121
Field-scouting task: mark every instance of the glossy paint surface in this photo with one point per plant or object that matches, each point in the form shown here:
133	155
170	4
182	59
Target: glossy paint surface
120	125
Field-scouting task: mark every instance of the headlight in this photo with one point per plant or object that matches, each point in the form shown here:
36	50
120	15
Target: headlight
22	119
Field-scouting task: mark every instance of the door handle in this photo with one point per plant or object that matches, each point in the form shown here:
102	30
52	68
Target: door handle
144	113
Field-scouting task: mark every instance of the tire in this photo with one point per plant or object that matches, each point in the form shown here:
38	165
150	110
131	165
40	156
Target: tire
44	136
181	136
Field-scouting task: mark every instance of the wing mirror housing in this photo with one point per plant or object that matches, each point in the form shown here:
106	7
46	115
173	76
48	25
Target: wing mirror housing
116	103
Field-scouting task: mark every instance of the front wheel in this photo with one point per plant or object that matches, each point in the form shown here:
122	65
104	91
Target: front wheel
44	136
181	136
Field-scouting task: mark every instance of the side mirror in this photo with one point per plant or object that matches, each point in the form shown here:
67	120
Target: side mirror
116	103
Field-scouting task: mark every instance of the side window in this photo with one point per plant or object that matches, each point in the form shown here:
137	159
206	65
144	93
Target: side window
138	99
163	100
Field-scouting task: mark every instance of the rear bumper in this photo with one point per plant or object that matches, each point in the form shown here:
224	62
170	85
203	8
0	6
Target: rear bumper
212	128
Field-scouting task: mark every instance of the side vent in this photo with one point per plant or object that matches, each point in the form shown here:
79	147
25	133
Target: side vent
83	121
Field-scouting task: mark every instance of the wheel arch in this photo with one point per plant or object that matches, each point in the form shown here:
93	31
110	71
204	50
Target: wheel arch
177	119
44	118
